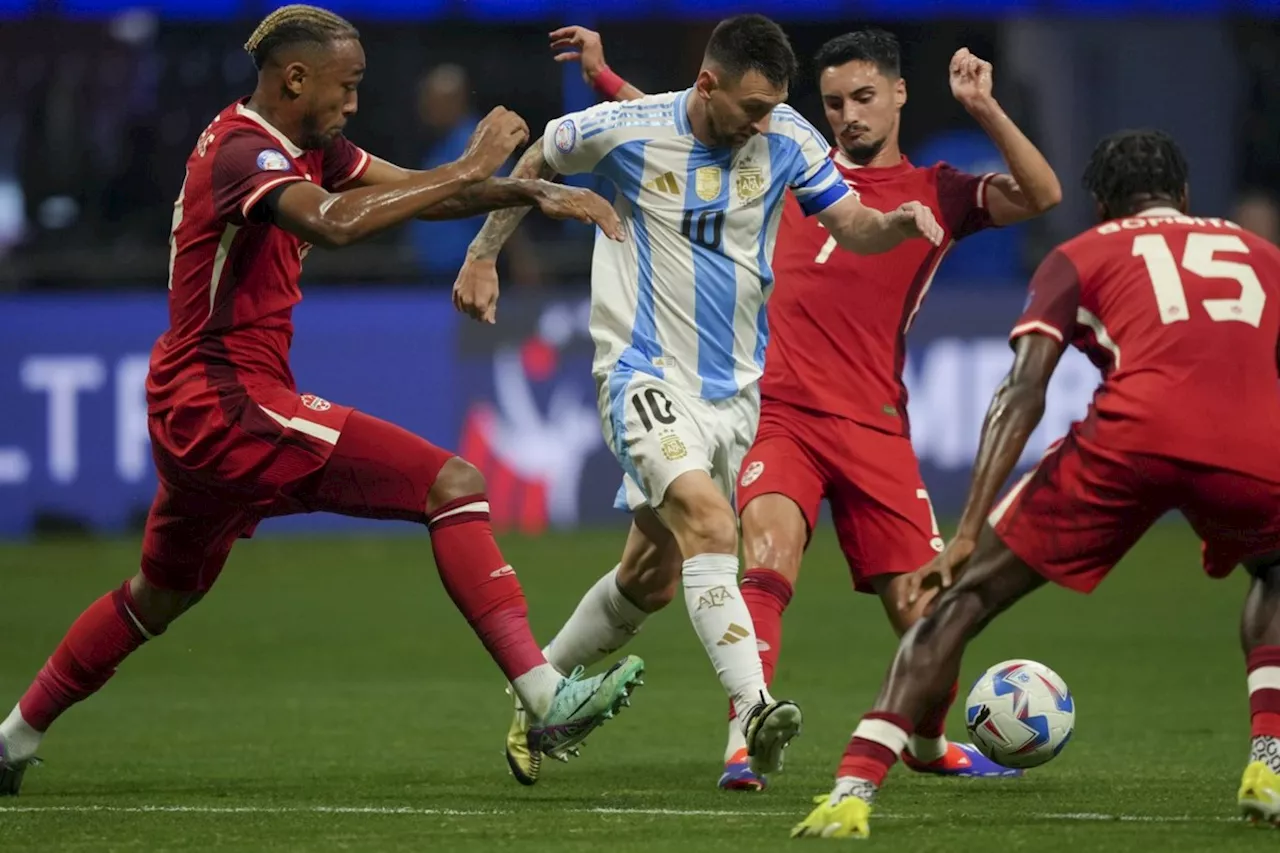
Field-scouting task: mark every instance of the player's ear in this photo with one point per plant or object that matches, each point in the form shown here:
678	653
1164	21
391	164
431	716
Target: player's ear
1184	204
706	83
900	92
295	76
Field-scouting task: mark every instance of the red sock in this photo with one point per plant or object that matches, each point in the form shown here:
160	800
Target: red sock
934	722
482	584
103	636
874	747
1264	691
767	593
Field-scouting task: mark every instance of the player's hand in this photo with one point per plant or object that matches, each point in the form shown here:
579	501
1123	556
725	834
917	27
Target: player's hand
561	202
583	45
938	574
475	291
917	220
970	78
495	137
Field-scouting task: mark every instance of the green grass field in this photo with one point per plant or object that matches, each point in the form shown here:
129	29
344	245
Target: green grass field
326	696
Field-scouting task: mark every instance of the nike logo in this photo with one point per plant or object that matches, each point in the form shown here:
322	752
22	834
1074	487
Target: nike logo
502	572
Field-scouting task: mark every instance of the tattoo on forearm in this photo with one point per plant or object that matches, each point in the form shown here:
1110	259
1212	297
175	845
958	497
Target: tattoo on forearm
501	224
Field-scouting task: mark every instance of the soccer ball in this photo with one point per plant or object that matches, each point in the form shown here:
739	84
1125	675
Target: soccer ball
1020	713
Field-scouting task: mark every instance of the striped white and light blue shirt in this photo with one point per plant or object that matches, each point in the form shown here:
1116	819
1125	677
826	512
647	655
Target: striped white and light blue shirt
684	297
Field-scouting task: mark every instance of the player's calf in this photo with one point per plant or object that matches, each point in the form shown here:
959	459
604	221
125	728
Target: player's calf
1259	795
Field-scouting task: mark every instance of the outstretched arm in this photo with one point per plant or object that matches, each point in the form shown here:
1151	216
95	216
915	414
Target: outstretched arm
483	197
1032	187
341	218
866	231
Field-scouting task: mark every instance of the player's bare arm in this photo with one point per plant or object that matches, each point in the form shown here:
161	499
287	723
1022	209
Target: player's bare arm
867	231
340	219
585	46
1032	187
475	292
1014	413
554	200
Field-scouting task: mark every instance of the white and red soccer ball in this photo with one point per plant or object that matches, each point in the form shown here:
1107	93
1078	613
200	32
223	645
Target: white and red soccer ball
1020	713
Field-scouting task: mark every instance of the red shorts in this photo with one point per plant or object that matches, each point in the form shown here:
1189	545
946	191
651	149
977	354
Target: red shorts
883	519
1078	512
279	454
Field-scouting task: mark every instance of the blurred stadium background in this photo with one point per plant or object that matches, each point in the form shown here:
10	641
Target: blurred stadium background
103	100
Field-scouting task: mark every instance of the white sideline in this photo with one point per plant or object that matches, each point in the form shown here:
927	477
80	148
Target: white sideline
413	810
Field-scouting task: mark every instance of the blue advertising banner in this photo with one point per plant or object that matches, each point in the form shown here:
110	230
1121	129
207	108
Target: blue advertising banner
516	399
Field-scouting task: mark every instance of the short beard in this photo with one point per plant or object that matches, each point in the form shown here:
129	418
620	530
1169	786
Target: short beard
865	153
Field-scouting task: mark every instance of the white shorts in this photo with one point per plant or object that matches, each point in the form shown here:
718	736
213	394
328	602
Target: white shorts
658	432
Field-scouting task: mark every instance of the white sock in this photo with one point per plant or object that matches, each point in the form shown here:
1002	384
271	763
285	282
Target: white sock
723	623
20	740
927	749
852	786
737	740
604	621
536	688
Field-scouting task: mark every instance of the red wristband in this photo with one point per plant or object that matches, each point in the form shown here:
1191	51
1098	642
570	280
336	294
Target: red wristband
608	84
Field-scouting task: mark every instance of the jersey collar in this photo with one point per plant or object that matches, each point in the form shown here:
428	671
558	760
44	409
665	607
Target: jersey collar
294	151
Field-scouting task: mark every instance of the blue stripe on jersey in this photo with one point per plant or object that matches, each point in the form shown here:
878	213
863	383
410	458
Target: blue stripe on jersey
820	202
682	113
715	281
619	379
780	148
624	167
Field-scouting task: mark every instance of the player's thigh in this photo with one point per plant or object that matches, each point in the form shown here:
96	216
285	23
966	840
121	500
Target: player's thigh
188	536
375	470
1236	516
1080	510
779	496
880	507
655	431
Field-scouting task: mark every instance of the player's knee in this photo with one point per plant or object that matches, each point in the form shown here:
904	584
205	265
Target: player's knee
774	534
710	529
457	479
155	607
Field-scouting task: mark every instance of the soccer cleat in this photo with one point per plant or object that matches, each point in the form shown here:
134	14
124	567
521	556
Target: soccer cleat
737	775
525	763
1259	795
849	818
11	773
770	728
962	759
583	704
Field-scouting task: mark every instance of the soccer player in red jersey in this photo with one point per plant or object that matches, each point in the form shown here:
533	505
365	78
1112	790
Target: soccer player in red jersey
1182	315
833	419
232	439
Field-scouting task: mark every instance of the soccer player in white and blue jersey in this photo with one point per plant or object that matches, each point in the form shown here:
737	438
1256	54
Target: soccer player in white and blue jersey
678	319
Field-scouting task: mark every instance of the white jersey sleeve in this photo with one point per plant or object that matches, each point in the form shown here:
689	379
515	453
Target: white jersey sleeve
808	169
576	143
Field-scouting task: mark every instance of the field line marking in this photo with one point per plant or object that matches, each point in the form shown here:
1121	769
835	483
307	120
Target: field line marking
1093	817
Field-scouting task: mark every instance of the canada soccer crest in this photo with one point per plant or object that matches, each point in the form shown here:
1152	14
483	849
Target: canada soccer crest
752	473
316	404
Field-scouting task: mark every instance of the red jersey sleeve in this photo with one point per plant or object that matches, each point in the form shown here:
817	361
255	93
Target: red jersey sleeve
246	166
1052	301
344	162
962	199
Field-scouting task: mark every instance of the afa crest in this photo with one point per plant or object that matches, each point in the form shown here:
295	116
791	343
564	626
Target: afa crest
673	448
750	183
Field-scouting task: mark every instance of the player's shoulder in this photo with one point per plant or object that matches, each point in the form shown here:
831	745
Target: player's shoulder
786	121
651	113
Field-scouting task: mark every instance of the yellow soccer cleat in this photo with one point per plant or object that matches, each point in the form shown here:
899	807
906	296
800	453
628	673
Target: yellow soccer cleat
525	763
848	818
1259	795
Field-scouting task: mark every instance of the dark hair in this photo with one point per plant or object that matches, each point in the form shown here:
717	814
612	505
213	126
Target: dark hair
1133	166
879	47
296	24
753	43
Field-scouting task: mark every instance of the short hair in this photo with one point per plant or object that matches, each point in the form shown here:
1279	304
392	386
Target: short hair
1132	166
879	47
753	43
296	24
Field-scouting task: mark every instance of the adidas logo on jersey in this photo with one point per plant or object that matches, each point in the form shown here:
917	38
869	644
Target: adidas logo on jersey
665	183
